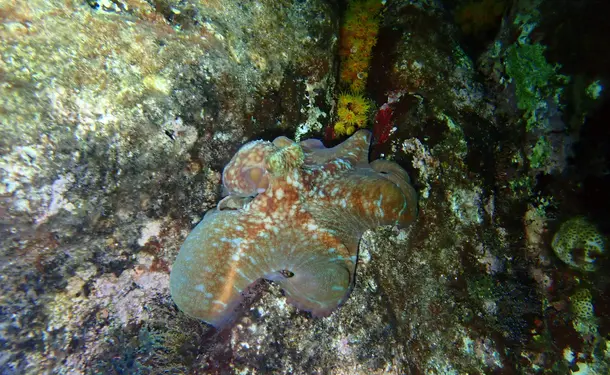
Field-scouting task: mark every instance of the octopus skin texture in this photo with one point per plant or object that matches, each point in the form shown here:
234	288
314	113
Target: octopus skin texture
294	214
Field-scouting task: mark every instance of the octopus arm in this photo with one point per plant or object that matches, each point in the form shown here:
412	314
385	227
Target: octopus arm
221	259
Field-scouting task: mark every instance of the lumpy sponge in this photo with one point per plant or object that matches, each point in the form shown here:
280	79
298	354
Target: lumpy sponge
579	244
582	305
584	320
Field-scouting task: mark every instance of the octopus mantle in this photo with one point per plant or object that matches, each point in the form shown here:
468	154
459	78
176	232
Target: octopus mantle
294	214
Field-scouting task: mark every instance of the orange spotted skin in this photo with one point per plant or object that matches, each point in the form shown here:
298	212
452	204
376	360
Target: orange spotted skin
311	205
247	174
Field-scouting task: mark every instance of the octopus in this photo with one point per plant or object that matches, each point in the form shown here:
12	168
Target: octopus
294	214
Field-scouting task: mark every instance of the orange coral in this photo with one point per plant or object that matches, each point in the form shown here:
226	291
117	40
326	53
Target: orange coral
358	37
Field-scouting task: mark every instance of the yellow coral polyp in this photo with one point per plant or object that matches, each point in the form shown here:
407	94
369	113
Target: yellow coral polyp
360	121
358	84
343	101
340	128
352	113
360	105
345	115
363	30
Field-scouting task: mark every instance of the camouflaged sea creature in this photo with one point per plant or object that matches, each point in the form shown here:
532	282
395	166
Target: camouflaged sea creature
294	214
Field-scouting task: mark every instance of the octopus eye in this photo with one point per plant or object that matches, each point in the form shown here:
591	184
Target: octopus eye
257	179
287	274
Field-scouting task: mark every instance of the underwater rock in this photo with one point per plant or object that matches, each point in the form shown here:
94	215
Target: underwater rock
116	118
